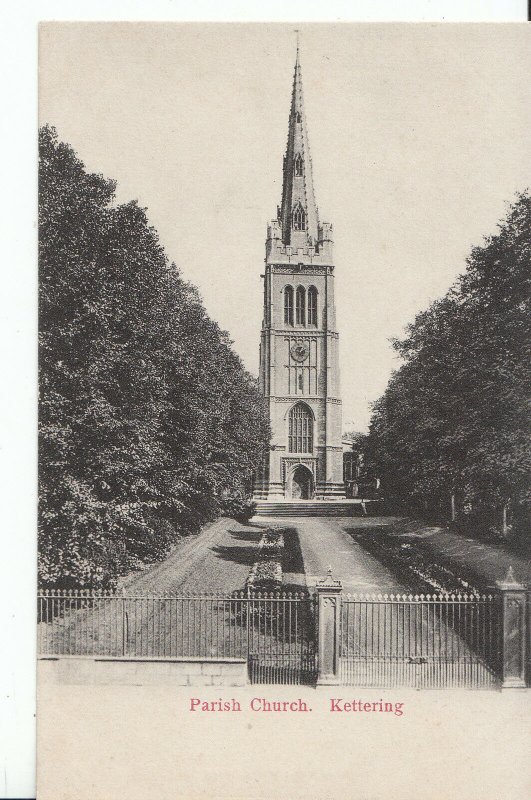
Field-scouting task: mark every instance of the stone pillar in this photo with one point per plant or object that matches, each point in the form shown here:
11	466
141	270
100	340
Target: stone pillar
513	632
125	623
328	627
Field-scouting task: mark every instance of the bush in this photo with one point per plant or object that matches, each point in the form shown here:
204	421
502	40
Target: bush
272	544
239	508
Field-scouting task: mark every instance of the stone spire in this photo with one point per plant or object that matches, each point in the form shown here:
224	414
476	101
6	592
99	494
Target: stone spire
298	213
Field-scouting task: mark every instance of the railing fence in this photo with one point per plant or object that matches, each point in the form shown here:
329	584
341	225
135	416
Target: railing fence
272	631
421	641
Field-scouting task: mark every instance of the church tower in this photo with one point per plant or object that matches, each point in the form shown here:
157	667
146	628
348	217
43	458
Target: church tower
299	369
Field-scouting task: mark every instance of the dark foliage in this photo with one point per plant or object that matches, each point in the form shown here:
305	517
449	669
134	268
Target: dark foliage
454	419
240	508
149	424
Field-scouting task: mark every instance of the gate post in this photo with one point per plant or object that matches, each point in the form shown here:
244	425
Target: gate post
125	632
328	629
513	632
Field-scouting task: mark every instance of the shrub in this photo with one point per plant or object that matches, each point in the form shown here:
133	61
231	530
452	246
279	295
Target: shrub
265	575
272	544
239	508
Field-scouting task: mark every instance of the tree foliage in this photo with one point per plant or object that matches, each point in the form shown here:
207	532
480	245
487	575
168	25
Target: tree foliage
149	424
455	417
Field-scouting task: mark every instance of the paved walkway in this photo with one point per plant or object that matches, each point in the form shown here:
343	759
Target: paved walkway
324	543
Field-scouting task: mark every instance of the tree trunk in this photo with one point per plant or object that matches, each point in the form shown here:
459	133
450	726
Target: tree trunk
504	519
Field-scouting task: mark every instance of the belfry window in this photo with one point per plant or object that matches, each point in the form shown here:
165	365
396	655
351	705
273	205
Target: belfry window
312	306
298	165
299	218
288	305
300	306
300	438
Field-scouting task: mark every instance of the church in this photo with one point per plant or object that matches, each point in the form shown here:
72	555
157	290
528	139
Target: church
299	365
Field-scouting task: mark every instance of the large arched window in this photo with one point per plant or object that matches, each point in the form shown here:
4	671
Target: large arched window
298	165
312	306
300	306
300	438
299	218
288	305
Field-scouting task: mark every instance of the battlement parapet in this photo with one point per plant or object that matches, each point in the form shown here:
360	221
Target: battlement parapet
319	252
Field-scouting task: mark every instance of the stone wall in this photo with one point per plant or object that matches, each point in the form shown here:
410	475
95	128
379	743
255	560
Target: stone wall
72	670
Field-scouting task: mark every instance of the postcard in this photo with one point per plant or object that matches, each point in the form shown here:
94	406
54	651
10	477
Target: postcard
283	414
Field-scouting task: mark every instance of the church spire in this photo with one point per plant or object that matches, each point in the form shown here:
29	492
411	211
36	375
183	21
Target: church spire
298	212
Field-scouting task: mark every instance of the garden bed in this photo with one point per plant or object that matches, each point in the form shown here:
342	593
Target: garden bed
414	564
266	572
265	575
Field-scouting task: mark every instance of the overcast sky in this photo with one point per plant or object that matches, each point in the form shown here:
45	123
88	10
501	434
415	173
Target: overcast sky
419	136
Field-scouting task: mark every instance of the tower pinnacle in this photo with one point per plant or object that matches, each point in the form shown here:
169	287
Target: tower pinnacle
299	364
298	213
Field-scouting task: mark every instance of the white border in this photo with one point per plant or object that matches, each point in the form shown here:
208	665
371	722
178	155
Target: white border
18	324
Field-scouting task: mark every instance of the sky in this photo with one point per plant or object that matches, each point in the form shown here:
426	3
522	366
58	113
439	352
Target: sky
419	136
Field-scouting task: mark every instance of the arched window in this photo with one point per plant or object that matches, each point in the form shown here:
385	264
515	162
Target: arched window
288	305
312	306
298	165
299	218
297	117
300	438
300	306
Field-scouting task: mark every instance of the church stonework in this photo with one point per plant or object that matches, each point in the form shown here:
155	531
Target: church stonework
299	367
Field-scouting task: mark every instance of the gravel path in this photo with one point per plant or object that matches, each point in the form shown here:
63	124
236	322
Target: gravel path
221	556
217	559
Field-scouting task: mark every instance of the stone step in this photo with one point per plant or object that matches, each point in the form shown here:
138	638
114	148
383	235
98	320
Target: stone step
315	508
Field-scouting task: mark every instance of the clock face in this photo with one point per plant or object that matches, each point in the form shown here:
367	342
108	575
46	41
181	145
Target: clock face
299	351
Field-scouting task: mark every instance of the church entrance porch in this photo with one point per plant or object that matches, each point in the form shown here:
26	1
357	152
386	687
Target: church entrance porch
300	484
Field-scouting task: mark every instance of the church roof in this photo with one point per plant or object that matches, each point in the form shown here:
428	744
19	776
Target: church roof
298	229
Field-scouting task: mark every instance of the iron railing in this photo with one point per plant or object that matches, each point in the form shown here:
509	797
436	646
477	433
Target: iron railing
421	641
273	631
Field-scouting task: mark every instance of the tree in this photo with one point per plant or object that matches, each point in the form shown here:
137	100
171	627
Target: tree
454	418
148	421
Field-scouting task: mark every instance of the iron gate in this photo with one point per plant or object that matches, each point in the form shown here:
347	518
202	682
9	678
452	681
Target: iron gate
281	639
420	641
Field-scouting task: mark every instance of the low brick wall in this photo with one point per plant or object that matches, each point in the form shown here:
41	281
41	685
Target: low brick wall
143	671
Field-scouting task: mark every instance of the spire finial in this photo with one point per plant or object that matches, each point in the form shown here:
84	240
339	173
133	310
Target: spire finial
510	582
299	216
510	578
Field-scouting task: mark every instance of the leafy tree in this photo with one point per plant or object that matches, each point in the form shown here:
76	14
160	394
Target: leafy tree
454	417
149	424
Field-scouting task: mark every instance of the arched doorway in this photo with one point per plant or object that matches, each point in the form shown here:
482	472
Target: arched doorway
300	484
